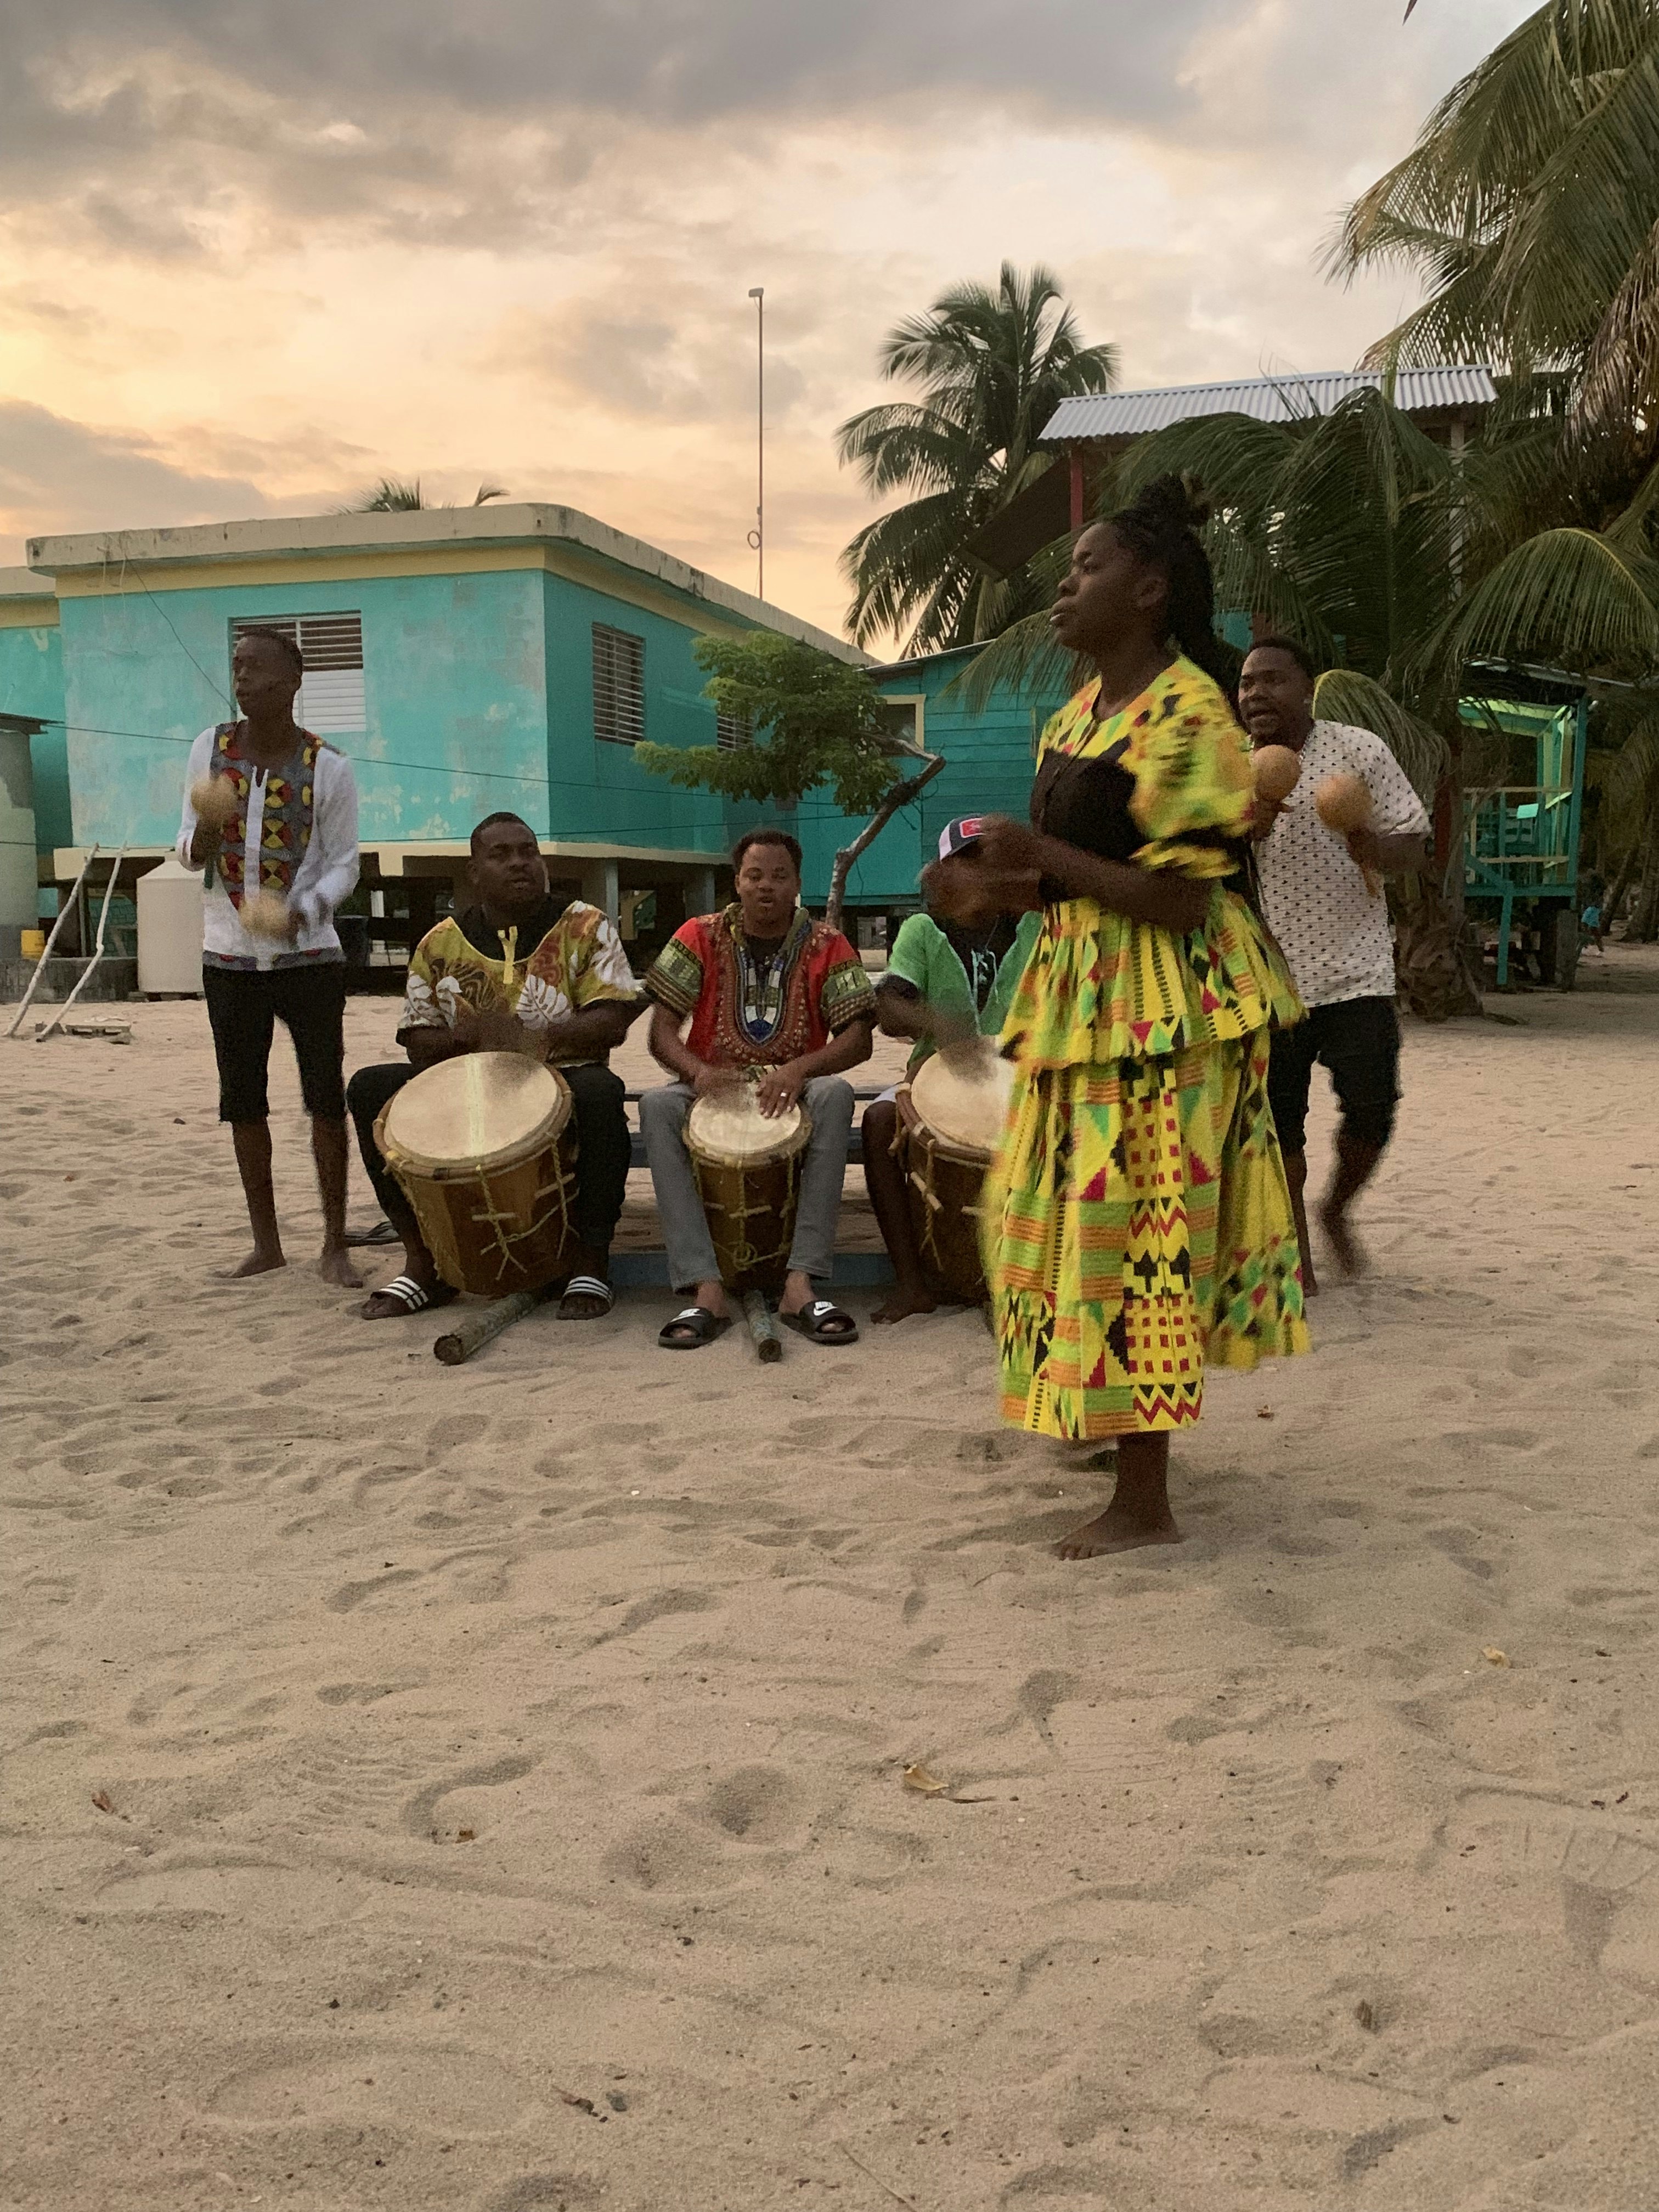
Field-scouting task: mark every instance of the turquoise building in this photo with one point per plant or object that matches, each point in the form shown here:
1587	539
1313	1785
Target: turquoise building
467	660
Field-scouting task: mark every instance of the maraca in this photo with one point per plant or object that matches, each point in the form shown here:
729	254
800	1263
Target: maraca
213	798
1274	770
1344	804
265	915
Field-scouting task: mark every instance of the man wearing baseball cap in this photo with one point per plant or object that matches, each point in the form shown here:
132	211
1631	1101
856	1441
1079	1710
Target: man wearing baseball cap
944	981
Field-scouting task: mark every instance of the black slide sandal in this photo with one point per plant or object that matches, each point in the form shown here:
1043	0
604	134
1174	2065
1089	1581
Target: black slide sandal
408	1297
704	1326
810	1322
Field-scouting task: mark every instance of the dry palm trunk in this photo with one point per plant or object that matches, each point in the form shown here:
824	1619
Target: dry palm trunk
1644	927
1432	967
1615	897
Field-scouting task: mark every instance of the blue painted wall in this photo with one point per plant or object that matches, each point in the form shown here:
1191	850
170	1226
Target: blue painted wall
452	674
596	787
32	683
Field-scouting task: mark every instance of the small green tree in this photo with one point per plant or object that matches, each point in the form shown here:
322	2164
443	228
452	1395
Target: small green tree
811	719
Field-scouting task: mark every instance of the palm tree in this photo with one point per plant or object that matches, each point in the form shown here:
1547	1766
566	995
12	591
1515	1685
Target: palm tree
1531	206
993	367
399	496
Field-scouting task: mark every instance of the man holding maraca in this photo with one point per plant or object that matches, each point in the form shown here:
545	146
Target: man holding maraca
270	815
1325	839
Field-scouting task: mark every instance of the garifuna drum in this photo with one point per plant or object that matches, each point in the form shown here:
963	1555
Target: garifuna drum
484	1148
748	1171
950	1117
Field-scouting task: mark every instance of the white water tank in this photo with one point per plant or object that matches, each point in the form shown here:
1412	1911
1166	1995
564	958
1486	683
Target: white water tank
170	928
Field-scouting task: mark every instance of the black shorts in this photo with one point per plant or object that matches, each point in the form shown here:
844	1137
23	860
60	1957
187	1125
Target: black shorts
1358	1041
244	1008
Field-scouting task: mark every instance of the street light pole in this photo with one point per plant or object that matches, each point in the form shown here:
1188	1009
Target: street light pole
758	535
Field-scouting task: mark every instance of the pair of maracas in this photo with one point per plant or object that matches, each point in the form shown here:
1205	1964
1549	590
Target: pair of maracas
1342	802
265	913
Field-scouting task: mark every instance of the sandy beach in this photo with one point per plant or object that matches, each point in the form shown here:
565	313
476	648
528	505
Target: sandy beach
482	1788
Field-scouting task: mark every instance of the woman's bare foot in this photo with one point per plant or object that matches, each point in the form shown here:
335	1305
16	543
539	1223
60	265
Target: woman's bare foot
257	1262
336	1266
1116	1530
1139	1511
905	1300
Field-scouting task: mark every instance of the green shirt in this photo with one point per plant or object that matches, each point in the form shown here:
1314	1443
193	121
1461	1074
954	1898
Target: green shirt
924	956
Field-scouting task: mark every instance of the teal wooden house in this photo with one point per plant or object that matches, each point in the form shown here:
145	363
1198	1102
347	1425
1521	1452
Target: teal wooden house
467	660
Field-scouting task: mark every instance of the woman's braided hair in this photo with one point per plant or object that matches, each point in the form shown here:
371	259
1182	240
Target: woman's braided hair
1161	523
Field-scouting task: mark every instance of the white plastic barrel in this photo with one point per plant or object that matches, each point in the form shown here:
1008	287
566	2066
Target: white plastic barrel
170	928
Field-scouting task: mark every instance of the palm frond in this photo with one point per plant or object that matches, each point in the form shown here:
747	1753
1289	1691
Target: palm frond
1570	596
1633	783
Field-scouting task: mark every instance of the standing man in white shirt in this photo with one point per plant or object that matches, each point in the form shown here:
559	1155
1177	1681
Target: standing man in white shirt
271	813
1334	931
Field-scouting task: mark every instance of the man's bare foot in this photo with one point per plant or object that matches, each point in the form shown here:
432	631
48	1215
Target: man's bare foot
1349	1255
1116	1530
334	1267
257	1262
905	1300
1309	1281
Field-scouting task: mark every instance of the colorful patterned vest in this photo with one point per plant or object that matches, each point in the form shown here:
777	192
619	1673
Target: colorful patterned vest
285	831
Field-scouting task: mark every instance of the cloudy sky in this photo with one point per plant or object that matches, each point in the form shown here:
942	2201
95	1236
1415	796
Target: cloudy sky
254	252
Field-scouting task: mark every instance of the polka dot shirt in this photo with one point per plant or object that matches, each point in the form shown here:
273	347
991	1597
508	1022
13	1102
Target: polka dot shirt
1332	932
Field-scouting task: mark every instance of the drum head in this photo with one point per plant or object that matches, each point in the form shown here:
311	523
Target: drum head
482	1108
962	1093
728	1125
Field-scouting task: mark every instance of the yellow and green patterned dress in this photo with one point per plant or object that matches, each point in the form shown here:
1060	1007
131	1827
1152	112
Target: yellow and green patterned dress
1138	1225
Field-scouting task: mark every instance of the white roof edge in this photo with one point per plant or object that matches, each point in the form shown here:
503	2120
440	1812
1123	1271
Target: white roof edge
26	584
426	529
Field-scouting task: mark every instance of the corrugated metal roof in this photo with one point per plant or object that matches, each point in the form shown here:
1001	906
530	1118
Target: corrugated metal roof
1267	399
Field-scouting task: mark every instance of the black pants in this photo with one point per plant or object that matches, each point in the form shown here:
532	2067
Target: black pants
603	1154
1358	1041
243	1010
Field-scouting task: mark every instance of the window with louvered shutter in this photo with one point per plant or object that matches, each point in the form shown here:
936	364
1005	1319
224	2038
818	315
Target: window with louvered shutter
331	701
732	732
618	685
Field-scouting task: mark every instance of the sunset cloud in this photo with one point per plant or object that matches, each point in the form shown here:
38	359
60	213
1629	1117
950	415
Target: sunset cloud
258	252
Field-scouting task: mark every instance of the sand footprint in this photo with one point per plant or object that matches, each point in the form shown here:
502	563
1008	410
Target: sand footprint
458	2091
470	1810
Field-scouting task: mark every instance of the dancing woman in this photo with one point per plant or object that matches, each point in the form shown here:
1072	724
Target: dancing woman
1138	1227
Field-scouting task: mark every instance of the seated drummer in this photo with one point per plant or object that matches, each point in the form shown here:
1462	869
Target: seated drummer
515	973
944	981
767	987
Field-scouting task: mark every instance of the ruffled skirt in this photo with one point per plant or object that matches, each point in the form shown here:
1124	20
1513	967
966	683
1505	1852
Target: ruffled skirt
1137	1228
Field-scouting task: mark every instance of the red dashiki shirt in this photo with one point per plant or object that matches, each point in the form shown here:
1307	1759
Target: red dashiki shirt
751	1010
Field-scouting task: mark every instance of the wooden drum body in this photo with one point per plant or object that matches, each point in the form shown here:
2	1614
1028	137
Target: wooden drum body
484	1148
950	1118
747	1172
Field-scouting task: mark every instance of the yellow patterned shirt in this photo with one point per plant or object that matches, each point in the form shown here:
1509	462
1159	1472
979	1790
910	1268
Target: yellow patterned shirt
1099	987
555	963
